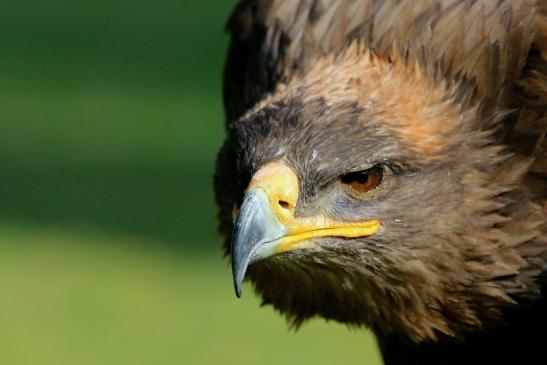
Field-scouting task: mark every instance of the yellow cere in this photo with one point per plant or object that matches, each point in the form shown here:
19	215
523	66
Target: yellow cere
281	184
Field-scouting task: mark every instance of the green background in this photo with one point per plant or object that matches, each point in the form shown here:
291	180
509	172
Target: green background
110	118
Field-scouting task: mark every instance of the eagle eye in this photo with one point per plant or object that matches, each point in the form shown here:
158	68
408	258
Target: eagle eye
365	180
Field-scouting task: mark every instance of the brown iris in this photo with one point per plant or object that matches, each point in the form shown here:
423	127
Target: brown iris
365	180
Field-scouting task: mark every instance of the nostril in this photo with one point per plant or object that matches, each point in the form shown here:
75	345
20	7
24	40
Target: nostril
284	204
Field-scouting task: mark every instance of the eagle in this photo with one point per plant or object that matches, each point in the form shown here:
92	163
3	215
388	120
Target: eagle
385	166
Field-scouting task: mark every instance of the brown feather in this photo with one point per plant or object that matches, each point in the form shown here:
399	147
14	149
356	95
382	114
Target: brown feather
452	82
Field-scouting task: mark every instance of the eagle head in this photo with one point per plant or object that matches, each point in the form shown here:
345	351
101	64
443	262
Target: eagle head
366	191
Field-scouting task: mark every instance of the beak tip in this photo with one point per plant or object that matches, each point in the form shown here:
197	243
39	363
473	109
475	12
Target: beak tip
238	282
238	291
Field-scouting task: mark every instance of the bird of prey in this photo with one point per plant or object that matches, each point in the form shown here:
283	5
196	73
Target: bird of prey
385	166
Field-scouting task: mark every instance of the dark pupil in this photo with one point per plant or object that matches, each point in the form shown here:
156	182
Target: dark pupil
362	177
359	177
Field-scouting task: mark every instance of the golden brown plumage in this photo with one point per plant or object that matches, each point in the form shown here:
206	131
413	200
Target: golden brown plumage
448	98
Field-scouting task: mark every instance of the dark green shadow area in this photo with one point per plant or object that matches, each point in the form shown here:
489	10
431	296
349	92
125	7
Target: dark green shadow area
164	44
122	162
144	201
110	115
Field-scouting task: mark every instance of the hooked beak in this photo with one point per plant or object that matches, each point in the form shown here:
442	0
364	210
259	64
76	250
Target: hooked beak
266	225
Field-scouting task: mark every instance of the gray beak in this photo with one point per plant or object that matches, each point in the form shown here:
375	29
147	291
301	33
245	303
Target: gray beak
256	231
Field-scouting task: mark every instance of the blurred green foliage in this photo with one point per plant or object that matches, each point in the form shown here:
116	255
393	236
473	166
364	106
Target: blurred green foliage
110	118
96	299
110	114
